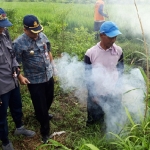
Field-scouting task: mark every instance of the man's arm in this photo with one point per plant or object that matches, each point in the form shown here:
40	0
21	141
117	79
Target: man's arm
23	80
120	68
53	64
89	83
50	56
88	69
87	62
120	65
51	59
100	10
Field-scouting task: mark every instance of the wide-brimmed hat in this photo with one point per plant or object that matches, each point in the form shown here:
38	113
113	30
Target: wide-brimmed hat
4	22
31	23
110	29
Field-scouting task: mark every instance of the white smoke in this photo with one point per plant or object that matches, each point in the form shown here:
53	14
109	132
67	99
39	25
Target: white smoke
130	17
71	74
134	94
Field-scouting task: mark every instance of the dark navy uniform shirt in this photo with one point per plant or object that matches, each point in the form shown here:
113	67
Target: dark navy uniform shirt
7	82
33	54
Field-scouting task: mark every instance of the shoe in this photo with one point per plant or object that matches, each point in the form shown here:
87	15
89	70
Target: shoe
45	139
23	131
9	146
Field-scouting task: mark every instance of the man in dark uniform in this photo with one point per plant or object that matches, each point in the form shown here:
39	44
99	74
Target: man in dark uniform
33	50
9	87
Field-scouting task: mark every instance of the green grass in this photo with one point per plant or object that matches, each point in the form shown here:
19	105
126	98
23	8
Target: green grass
69	28
70	116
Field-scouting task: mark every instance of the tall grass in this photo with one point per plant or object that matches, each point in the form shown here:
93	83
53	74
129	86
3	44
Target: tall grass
147	59
69	28
78	14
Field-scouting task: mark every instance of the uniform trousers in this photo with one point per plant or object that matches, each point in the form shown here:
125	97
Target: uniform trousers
12	99
42	95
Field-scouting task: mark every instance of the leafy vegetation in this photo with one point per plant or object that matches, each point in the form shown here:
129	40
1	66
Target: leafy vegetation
70	29
78	1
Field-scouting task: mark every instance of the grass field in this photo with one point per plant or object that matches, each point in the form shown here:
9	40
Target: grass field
70	29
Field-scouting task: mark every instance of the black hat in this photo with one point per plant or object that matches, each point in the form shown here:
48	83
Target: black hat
31	23
4	22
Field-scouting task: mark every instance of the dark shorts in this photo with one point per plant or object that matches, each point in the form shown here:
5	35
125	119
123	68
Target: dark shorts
97	25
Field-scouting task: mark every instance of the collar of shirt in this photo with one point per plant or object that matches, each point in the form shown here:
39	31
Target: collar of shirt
1	35
30	40
112	49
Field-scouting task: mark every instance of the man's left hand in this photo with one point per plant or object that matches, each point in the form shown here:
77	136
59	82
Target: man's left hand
23	80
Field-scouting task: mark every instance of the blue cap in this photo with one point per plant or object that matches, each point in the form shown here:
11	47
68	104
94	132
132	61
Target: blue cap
4	22
31	23
110	29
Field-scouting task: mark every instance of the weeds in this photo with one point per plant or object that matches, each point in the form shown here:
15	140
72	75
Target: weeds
75	36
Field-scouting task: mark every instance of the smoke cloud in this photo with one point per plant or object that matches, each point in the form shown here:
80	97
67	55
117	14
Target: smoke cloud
125	15
128	92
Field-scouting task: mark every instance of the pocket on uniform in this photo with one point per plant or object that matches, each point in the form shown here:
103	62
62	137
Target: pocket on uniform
11	51
2	58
